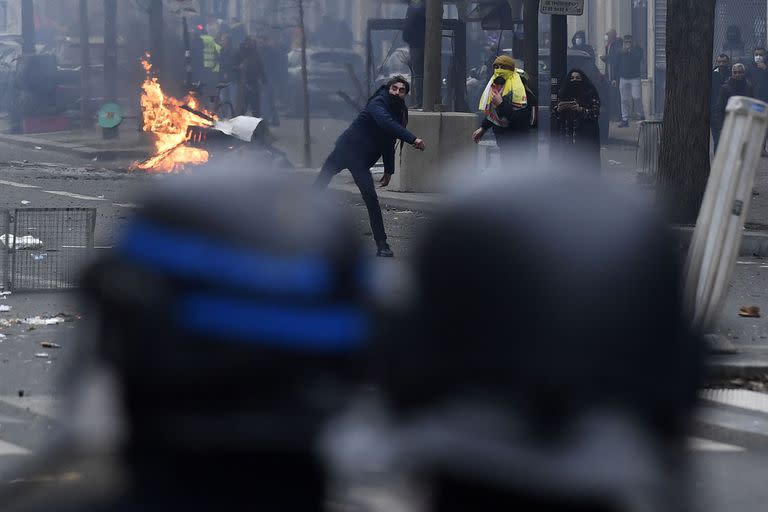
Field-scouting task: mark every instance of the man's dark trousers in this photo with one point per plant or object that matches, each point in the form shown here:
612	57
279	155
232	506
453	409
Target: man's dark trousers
361	173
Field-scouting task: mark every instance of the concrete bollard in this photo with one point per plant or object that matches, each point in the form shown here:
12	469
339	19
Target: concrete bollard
450	151
719	226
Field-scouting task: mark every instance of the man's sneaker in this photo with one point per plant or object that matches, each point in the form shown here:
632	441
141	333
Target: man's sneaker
623	124
384	250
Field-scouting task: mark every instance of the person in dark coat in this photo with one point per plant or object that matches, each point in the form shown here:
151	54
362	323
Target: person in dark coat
737	85
250	72
757	74
577	114
373	135
579	42
508	110
720	76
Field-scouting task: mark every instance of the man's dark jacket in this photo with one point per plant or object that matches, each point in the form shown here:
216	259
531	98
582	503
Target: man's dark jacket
719	78
630	63
731	88
375	131
759	80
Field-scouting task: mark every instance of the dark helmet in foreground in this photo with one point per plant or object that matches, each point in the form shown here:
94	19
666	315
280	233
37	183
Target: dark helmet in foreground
233	313
547	361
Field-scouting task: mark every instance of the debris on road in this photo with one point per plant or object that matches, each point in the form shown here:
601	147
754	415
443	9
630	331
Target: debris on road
22	242
39	257
58	319
50	344
749	311
4	308
25	202
39	320
42	355
21	393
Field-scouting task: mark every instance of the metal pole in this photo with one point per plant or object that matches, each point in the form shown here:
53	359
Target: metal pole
305	88
531	43
85	65
110	61
156	36
460	67
559	57
187	54
432	55
28	27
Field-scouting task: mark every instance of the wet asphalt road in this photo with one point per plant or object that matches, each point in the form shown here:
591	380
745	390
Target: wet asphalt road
722	481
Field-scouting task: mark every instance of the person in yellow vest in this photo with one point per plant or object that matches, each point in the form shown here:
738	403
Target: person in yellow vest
211	50
507	104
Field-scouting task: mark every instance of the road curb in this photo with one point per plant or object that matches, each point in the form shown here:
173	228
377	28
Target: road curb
753	243
86	152
730	425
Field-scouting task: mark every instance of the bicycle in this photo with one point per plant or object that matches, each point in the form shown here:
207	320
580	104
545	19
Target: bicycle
222	109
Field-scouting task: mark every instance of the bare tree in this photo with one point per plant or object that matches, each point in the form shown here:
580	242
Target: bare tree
684	160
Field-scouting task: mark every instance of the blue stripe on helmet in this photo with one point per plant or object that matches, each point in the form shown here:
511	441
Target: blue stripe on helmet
193	256
329	329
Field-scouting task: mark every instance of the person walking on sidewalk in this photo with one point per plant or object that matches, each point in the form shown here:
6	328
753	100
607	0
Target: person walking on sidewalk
630	63
507	104
373	135
737	85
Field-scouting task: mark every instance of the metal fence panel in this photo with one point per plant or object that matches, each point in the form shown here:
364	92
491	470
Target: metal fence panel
47	247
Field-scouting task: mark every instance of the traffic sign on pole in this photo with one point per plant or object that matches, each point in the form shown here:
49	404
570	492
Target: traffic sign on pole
562	7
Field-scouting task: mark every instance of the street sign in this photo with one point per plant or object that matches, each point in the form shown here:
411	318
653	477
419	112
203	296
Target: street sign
110	115
183	7
562	7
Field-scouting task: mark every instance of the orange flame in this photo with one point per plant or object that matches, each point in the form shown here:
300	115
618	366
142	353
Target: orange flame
168	123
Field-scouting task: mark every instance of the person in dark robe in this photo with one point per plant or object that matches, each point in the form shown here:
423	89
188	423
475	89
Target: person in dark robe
577	113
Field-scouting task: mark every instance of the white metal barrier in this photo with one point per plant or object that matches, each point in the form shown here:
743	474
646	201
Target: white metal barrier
716	239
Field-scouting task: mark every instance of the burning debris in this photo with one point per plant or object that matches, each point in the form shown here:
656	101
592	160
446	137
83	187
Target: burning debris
170	125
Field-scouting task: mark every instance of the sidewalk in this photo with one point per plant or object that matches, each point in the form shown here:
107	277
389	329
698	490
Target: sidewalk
87	144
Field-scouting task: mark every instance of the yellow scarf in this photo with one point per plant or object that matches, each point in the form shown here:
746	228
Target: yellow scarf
513	84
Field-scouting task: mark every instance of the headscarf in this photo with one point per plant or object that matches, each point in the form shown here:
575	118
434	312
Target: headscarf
512	84
579	91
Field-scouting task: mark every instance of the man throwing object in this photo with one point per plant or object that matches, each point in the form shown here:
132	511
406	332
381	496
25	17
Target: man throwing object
373	135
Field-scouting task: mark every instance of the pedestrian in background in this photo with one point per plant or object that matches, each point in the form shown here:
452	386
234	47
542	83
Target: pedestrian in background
630	68
610	59
757	75
507	105
227	70
251	75
737	85
720	75
577	113
373	135
579	42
